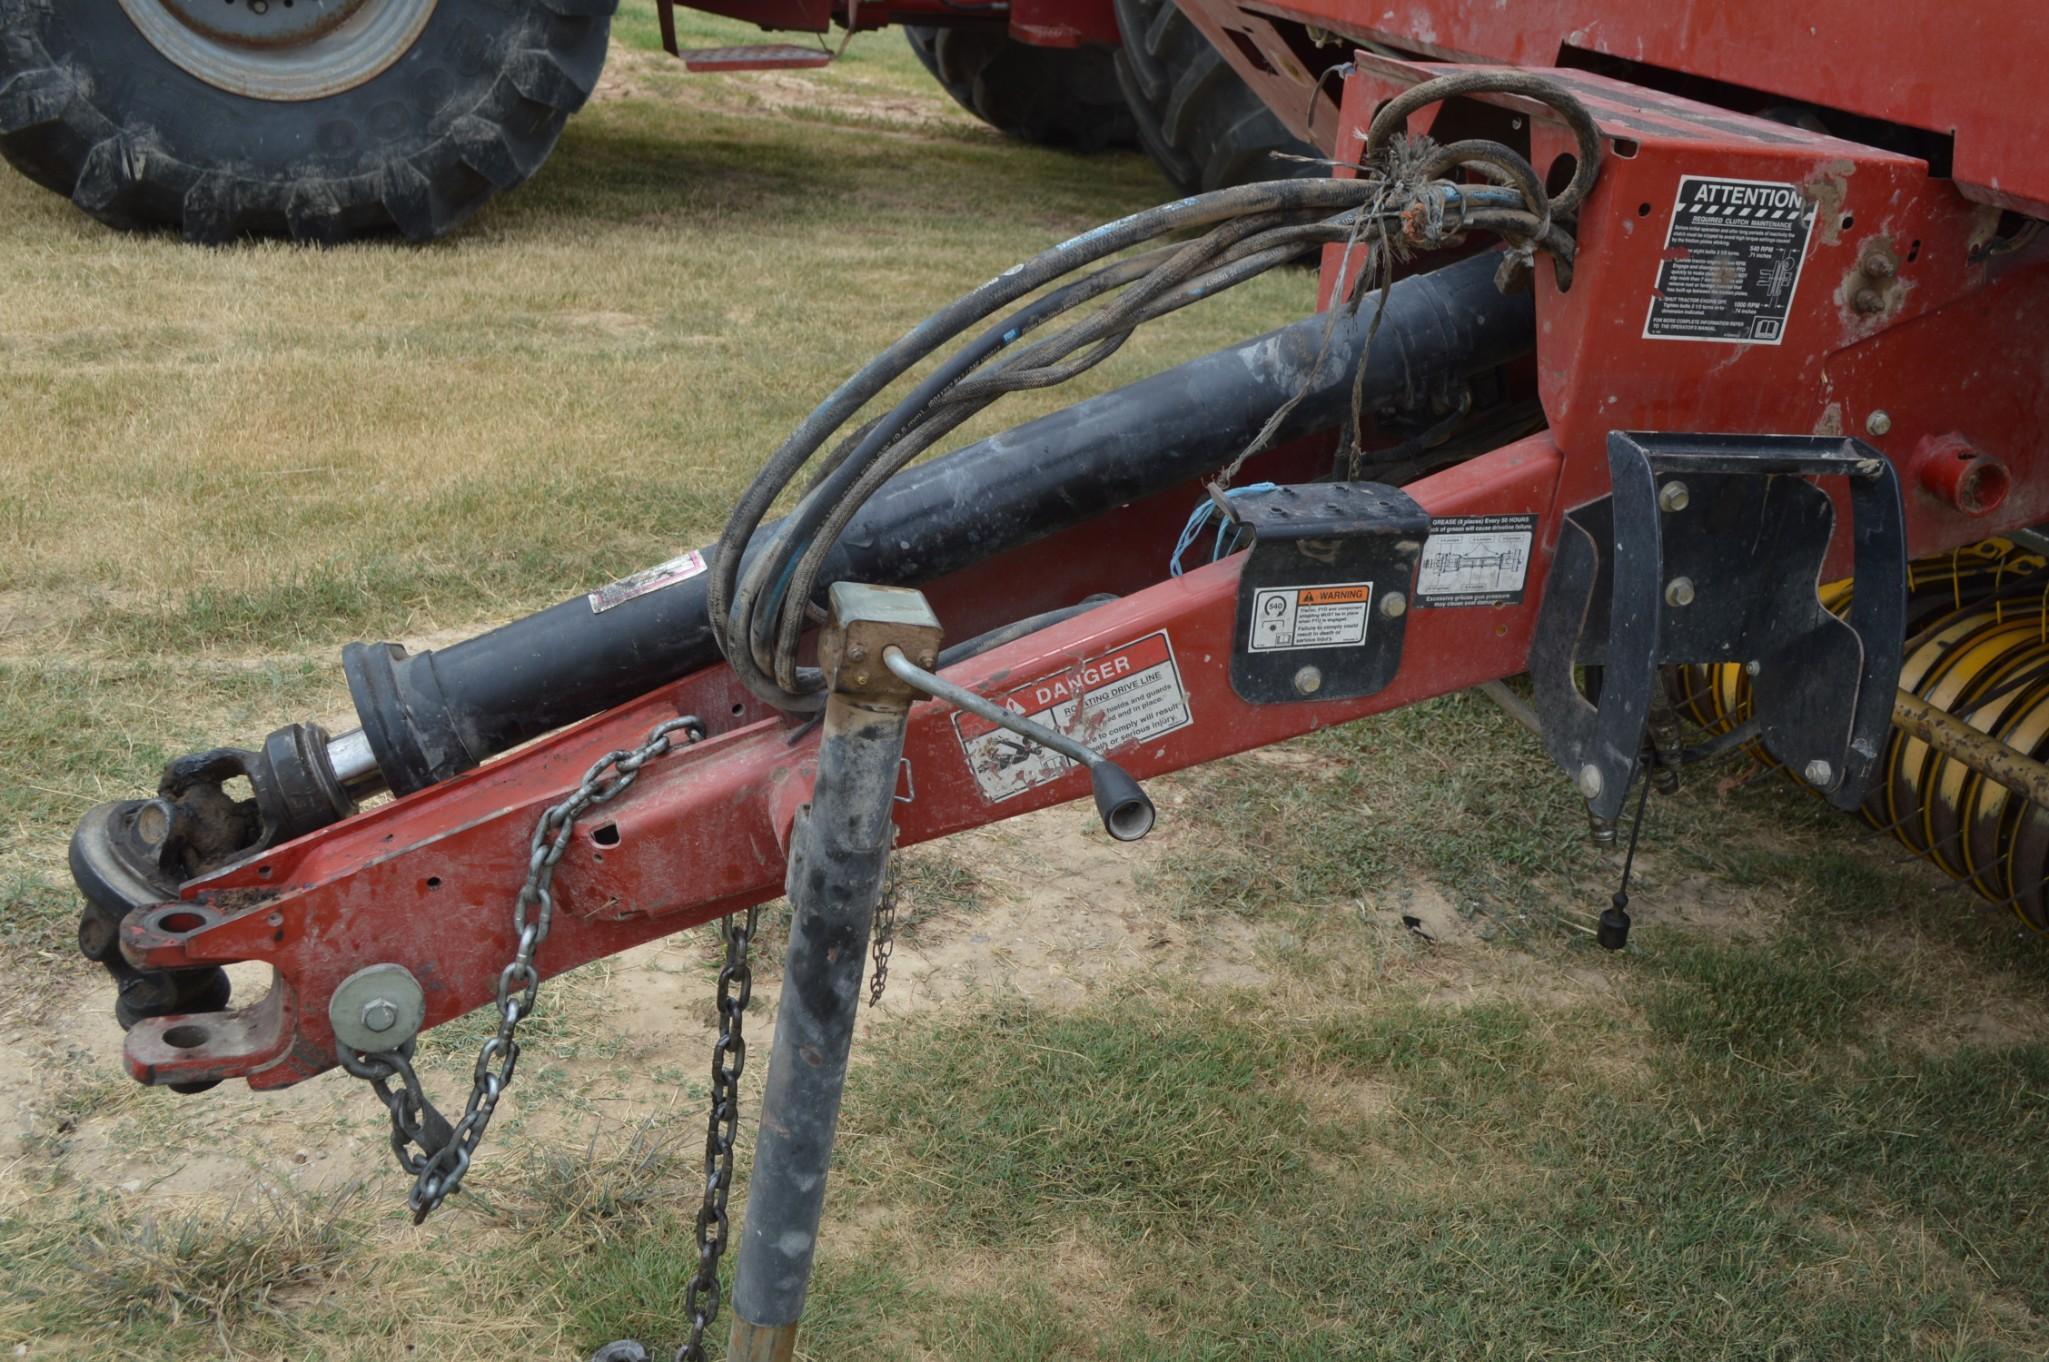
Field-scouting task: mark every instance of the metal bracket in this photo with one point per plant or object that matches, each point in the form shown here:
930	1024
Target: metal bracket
1710	549
1325	592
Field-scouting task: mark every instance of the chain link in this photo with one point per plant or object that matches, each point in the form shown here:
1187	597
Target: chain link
445	1150
885	925
728	1058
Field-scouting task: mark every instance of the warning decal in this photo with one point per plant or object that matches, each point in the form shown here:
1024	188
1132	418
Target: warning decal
1731	262
1130	694
1332	615
1475	560
646	581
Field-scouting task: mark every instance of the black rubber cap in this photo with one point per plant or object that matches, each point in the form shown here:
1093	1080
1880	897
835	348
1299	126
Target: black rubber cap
1613	933
1127	814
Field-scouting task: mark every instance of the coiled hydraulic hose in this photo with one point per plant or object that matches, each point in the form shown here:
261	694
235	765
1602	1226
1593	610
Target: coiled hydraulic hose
761	604
1977	651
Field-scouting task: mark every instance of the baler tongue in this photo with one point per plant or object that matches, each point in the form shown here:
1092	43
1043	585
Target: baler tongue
1510	464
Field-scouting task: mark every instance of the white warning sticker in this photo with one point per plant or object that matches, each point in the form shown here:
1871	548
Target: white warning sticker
1329	615
679	569
1130	694
1731	262
1475	560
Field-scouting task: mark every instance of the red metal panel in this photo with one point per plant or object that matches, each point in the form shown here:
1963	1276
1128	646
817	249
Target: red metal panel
1956	348
805	16
1967	69
1039	23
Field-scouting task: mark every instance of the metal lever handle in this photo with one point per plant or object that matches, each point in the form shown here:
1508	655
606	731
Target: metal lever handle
1126	812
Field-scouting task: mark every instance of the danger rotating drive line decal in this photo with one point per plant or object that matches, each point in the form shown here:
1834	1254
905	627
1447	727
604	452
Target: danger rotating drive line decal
1130	694
1731	262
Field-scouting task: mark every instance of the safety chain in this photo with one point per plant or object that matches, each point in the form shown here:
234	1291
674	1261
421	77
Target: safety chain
445	1150
728	1059
885	925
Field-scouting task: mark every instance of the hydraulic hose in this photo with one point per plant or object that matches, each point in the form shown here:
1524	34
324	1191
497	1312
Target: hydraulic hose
431	715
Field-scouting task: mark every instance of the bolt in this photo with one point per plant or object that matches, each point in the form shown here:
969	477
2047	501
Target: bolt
380	1014
259	6
1878	423
1590	781
926	660
1309	681
1819	772
1394	605
1879	265
1752	667
1868	301
1679	591
1673	496
860	678
856	653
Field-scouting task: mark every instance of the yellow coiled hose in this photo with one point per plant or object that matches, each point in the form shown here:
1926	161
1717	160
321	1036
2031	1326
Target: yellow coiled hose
1978	649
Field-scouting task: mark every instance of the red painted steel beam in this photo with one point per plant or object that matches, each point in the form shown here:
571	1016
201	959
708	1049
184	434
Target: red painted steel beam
427	882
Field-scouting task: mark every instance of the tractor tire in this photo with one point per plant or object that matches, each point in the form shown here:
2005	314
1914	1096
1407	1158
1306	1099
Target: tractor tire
1064	97
1202	125
345	118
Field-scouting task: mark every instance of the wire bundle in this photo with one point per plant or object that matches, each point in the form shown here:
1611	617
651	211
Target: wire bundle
762	595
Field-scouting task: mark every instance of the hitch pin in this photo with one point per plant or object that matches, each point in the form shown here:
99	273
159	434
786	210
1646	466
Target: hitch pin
1126	812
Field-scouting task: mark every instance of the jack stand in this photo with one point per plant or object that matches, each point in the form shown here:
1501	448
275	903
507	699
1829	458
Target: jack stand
839	852
876	650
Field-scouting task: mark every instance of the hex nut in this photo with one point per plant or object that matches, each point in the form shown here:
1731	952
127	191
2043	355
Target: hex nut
1819	772
1394	605
1673	496
1679	591
1308	681
378	1008
1878	423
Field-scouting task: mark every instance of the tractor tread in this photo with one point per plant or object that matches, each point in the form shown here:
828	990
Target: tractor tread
1056	97
1202	125
131	173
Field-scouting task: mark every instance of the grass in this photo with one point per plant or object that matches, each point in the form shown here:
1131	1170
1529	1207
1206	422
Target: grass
1801	1118
188	1282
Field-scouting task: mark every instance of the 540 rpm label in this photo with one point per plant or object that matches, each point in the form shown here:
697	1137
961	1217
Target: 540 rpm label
1731	262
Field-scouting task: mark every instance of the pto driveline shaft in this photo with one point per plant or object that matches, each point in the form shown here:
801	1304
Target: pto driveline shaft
431	715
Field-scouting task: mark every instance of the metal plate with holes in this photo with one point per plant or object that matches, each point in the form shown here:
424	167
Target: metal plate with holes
1710	550
1324	597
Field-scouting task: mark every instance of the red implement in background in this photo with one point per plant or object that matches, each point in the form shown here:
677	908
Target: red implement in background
1037	23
